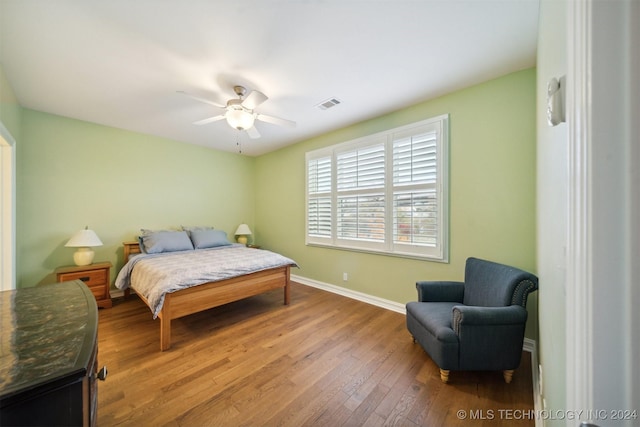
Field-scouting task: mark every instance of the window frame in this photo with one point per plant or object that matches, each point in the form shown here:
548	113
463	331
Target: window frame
440	251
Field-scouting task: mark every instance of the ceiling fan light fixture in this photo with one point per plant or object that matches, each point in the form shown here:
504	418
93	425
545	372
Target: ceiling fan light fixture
239	119
240	112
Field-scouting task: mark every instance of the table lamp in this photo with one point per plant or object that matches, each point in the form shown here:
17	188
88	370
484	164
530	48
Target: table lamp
242	232
84	240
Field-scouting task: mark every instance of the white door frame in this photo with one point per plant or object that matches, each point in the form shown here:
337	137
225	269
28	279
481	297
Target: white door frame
579	366
7	210
603	240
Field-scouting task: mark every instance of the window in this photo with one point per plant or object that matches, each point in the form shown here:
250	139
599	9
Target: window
382	193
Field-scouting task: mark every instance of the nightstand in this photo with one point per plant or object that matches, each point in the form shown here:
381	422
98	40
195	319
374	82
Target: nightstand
95	276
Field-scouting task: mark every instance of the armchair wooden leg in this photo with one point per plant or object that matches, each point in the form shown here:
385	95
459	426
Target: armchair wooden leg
508	375
444	375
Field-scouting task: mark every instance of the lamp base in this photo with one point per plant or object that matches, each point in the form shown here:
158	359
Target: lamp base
242	239
83	256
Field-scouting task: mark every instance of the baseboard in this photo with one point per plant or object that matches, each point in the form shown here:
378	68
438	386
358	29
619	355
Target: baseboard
528	345
359	296
118	293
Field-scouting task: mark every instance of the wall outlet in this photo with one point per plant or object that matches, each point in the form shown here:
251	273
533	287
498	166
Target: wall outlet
345	276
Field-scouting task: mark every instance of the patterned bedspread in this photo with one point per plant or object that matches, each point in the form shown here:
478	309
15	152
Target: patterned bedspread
154	275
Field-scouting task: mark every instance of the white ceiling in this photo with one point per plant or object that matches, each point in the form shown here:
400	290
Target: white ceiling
120	63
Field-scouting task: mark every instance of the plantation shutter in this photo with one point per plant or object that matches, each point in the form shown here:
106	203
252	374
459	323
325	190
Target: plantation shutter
319	197
415	201
360	184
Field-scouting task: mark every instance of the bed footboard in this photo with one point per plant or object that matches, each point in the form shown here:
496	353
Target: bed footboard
209	295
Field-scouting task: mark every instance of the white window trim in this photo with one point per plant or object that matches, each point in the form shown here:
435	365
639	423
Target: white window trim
441	254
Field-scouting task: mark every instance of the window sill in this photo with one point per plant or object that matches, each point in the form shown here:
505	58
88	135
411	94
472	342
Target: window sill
444	260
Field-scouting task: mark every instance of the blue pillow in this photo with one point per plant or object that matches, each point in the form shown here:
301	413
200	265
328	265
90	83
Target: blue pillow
203	239
165	241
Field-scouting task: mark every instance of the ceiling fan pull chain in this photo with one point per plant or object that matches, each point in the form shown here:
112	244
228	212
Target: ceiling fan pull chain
238	142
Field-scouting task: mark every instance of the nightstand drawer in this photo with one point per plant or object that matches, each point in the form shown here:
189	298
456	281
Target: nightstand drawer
99	292
95	277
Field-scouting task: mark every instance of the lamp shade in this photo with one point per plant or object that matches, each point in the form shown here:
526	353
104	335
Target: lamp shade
84	239
243	230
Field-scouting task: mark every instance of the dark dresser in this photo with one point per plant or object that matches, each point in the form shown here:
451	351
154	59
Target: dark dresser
48	356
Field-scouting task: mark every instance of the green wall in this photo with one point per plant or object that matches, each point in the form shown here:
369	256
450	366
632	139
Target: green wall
492	193
10	110
71	174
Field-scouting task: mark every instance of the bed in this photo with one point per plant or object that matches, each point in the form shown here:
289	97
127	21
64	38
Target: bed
191	298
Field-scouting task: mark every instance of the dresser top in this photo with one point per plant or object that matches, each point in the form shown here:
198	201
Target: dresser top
47	333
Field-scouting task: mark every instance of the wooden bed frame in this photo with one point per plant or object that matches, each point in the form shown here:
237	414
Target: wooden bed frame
212	294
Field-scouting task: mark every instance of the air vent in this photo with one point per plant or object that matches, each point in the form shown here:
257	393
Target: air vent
331	102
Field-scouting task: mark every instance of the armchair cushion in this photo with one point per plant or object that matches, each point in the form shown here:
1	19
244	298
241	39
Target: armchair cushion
436	318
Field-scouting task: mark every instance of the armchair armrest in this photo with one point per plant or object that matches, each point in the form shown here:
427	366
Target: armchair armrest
490	337
440	291
464	315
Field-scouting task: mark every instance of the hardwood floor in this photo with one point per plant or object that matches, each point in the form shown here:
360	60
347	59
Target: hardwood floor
325	360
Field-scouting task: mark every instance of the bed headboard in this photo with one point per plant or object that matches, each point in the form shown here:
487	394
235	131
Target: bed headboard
130	248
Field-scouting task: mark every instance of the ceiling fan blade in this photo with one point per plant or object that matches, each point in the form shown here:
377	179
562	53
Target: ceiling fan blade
209	120
253	132
197	98
254	99
276	120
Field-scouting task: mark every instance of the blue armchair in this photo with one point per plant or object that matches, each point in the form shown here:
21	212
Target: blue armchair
475	325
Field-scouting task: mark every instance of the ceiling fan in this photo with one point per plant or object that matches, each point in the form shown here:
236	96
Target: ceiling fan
240	112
